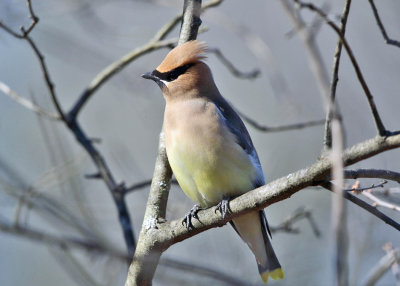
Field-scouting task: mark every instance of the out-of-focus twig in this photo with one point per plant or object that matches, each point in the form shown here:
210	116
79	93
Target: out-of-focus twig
245	75
379	124
315	60
388	40
380	203
395	266
381	267
27	103
203	271
63	242
288	127
339	208
287	224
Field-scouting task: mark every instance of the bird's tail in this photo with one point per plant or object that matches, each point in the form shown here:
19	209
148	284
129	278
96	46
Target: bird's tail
253	229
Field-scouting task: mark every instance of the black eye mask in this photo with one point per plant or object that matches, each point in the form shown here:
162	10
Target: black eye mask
172	75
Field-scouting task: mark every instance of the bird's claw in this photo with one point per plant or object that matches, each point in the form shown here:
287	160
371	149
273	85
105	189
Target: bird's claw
187	221
223	207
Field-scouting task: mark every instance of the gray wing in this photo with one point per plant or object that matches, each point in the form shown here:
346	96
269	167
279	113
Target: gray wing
237	127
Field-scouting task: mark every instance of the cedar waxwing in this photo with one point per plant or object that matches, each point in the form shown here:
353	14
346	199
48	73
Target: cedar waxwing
209	149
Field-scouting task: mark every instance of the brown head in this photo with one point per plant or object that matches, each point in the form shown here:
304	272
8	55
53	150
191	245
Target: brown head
183	74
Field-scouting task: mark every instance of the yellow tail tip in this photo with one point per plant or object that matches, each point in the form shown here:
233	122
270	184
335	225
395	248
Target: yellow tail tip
275	274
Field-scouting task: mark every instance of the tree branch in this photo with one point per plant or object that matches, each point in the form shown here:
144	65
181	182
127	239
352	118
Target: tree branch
372	210
372	173
264	128
172	232
156	43
388	40
379	124
333	108
244	75
27	103
147	254
382	266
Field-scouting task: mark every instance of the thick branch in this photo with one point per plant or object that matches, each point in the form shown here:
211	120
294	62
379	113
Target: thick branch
280	189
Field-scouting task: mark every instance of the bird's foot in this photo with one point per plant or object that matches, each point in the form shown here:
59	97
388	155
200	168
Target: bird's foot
187	221
223	206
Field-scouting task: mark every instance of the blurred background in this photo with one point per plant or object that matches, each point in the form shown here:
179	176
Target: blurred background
42	167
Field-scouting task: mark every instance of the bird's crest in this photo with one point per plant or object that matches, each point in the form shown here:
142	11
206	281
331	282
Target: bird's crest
189	52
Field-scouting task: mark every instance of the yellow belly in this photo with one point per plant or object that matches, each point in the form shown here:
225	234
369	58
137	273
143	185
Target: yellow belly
209	166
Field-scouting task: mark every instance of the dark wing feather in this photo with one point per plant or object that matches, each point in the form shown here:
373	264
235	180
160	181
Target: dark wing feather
237	127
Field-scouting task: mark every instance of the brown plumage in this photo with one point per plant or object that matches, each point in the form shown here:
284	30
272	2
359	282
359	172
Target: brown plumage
189	52
209	148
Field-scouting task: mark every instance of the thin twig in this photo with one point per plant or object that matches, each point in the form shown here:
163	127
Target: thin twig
144	184
372	210
388	40
382	267
333	110
27	103
245	75
372	173
395	266
295	126
315	60
380	203
373	186
86	143
379	124
287	224
156	43
63	242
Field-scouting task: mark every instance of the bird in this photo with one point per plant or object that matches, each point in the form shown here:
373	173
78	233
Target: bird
209	148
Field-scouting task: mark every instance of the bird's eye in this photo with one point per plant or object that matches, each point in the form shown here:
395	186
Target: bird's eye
175	73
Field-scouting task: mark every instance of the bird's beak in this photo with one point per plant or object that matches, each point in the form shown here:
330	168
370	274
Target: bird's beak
149	75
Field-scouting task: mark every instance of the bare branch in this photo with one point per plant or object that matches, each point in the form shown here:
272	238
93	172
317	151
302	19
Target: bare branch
358	190
359	202
287	224
388	40
144	184
203	271
27	103
295	126
339	210
62	242
245	75
379	124
372	173
381	267
380	203
333	108
315	60
166	234
156	43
